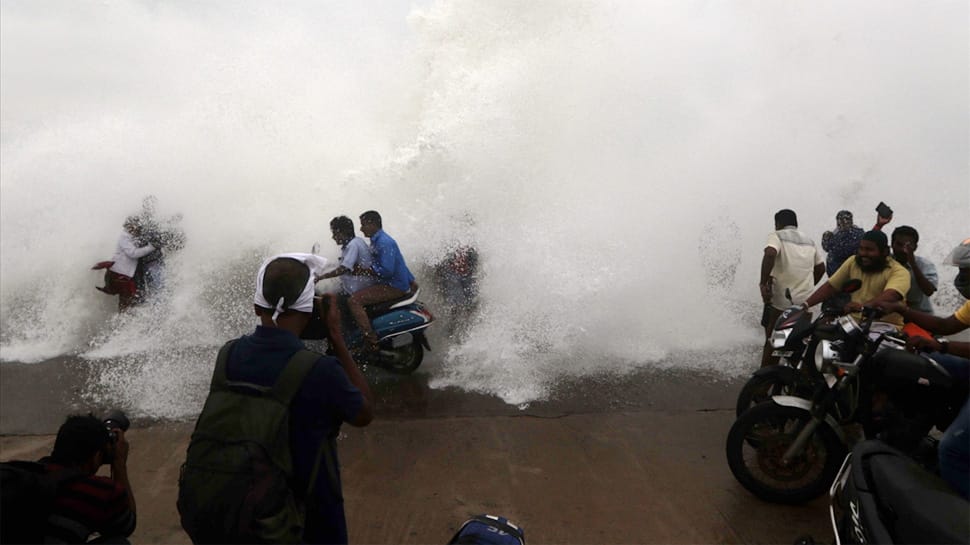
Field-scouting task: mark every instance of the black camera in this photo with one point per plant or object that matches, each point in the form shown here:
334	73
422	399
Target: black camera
116	419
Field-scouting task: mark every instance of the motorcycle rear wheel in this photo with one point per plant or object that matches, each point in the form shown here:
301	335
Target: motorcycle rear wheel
758	441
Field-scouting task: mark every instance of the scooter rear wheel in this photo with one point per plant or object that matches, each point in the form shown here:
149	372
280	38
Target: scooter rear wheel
402	360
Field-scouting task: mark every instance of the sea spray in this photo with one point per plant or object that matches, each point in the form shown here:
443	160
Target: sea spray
616	166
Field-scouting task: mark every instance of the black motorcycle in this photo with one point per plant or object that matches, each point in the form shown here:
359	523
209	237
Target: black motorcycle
794	338
789	449
882	495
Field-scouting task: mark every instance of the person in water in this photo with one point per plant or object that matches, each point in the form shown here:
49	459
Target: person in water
388	268
165	237
120	276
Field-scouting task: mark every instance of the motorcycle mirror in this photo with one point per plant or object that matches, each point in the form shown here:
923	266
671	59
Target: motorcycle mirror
852	285
315	249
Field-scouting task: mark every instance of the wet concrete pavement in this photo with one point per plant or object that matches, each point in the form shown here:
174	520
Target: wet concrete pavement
633	459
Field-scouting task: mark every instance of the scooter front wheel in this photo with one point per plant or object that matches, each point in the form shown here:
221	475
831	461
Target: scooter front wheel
756	446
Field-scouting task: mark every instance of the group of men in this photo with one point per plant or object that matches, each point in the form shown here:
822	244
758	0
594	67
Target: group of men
889	269
894	280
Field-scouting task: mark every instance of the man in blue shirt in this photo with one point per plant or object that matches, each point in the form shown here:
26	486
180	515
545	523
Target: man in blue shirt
394	279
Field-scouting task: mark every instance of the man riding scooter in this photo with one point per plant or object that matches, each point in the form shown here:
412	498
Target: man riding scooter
394	279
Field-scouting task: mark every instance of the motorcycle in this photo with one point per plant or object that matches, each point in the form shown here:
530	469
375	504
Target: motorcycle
789	449
794	339
399	326
882	496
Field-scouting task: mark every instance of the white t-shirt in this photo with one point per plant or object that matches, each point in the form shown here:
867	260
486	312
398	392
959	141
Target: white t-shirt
127	255
794	266
356	252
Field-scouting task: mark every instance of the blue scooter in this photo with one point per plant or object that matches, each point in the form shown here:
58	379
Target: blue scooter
399	326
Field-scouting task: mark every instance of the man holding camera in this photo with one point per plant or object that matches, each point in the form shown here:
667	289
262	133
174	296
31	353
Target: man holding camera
904	241
90	504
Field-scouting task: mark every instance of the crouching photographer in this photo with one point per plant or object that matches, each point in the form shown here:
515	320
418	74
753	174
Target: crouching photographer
61	499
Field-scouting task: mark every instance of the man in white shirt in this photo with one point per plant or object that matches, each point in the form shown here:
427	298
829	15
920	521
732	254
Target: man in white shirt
354	256
791	265
121	274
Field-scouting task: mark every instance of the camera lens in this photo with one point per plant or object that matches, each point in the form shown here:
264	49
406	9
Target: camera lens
117	419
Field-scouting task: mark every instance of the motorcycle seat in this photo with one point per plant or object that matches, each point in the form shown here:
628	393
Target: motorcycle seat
902	367
915	505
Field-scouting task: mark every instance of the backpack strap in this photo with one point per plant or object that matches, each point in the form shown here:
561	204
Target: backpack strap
219	380
290	380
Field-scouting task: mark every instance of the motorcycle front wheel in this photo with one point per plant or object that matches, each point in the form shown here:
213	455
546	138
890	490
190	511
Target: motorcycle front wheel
761	388
756	446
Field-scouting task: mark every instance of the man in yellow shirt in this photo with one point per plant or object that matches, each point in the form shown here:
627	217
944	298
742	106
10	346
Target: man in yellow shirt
883	279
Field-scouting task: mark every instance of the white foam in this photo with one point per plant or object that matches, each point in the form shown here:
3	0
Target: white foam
608	155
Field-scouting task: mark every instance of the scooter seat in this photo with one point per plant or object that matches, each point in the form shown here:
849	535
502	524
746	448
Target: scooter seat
380	308
915	505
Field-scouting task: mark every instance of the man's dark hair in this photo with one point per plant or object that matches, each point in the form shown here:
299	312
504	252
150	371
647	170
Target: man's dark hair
905	231
284	277
786	217
78	439
877	237
371	216
342	225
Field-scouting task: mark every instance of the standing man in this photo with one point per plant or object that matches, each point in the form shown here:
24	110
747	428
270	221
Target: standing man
393	278
841	244
922	271
883	279
791	264
354	255
287	403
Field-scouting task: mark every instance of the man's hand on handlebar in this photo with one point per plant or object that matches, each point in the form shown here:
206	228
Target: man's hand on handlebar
919	343
890	307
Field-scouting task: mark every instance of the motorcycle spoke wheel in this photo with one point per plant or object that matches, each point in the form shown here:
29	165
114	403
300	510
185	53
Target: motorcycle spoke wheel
756	447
